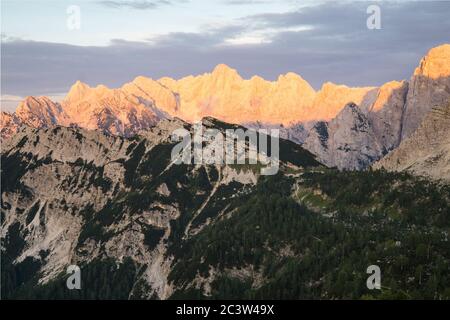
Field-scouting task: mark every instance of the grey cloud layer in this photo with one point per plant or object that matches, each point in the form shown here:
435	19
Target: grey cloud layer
338	48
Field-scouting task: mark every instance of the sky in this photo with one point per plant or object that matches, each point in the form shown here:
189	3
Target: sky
45	48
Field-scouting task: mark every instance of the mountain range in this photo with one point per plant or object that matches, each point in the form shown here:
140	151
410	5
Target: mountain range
363	179
349	128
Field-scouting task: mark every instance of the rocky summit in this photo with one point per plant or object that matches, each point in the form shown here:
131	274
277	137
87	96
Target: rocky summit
389	114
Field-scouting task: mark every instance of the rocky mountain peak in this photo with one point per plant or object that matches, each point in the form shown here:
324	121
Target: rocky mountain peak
31	102
345	142
223	76
78	91
436	63
40	112
429	86
386	92
294	80
9	124
224	70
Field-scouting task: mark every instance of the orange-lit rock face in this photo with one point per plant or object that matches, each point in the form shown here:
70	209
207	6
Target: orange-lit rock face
40	112
225	95
9	124
115	110
436	63
385	93
222	94
154	91
332	98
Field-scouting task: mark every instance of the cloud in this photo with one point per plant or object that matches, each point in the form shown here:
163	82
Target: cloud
327	42
210	37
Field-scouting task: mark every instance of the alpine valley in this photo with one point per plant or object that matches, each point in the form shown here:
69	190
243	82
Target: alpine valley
363	180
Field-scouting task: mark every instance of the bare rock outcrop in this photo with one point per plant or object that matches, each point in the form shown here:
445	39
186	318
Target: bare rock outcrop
392	113
429	86
346	142
9	124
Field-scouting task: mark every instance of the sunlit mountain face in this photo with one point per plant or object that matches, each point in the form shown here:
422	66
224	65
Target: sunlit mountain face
348	128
